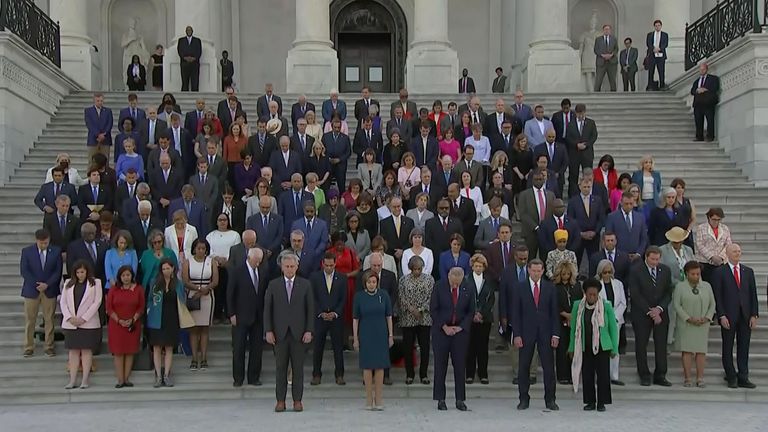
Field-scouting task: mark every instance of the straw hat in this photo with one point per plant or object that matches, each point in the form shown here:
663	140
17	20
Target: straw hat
677	235
274	126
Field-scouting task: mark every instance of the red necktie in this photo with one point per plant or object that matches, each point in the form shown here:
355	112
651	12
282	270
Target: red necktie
536	293
559	223
445	224
737	276
542	206
455	299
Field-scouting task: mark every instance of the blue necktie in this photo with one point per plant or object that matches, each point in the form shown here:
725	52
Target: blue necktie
521	274
297	202
95	195
62	223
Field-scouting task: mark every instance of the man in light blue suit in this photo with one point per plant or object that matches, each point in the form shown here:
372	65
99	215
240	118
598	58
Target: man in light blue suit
315	231
98	121
334	105
629	227
537	127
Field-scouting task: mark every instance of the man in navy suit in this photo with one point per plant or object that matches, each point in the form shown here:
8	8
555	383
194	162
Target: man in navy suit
45	199
425	147
629	227
193	117
262	144
285	162
330	290
705	91
245	305
98	121
93	193
589	214
62	225
146	221
494	123
41	269
338	149
363	104
300	141
452	308
737	312
367	138
523	112
581	137
299	110
190	49
290	203
262	103
656	42
445	175
619	258
307	264
197	213
562	119
182	141
89	249
558	220
132	111
334	106
315	231
557	156
166	184
536	325
268	227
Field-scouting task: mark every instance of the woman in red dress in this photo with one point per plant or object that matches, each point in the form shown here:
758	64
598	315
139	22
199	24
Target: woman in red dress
347	264
125	305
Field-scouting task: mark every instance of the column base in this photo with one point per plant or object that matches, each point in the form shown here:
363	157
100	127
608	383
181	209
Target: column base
553	68
82	64
432	68
209	69
311	69
675	65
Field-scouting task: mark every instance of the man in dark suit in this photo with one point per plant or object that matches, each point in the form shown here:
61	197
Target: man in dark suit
245	305
230	113
656	42
239	252
206	186
300	141
63	226
408	106
629	227
606	47
41	268
190	49
262	103
513	277
330	294
89	249
182	141
628	63
476	113
399	122
438	231
126	191
197	213
452	308
307	264
193	117
290	203
445	175
431	188
133	111
488	230
145	223
315	231
221	107
275	127
705	91
650	288
338	149
557	156
93	193
561	121
98	121
581	137
396	229
737	312
367	138
466	83
558	220
45	199
531	211
463	209
262	144
536	325
166	185
589	214
268	227
619	258
285	162
299	110
364	103
217	166
503	141
499	253
129	213
289	324
523	111
163	147
494	123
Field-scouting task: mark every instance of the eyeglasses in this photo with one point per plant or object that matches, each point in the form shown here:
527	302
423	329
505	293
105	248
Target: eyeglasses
443	208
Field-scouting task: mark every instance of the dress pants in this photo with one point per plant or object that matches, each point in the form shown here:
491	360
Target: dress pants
601	70
515	357
339	171
562	360
220	304
543	342
455	346
335	329
190	75
248	338
591	246
410	334
741	331
628	79
643	327
596	365
290	349
31	309
701	112
658	63
577	161
477	355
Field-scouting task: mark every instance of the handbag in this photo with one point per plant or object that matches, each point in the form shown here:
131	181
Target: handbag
193	303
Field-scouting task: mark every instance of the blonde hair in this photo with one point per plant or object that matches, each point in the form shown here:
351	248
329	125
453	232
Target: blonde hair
644	159
478	258
495	159
565	265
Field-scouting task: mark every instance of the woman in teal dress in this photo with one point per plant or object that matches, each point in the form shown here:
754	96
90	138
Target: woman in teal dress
694	303
372	331
149	264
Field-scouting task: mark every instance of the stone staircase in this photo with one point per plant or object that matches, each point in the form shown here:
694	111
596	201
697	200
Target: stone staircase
629	125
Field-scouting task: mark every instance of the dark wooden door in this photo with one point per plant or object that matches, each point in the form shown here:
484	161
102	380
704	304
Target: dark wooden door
365	59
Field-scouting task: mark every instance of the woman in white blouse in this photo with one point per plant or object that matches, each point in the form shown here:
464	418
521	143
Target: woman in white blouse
418	249
221	240
71	175
618	299
469	190
180	235
482	146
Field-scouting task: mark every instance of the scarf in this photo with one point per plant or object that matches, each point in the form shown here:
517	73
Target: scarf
598	321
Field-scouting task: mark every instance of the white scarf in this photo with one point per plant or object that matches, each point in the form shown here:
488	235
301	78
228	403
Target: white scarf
598	321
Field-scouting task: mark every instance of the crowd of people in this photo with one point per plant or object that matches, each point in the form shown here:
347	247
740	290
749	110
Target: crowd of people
207	219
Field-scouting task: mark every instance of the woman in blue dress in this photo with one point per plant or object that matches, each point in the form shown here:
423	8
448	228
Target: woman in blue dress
120	254
453	257
372	331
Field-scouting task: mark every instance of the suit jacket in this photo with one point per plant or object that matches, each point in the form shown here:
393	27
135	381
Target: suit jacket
634	241
436	191
436	237
129	212
254	146
33	271
328	111
138	120
558	162
87	309
444	312
558	122
140	237
282	172
207	193
170	189
98	124
60	238
262	105
499	84
122	194
596	219
529	213
732	301
523	113
361	110
187	145
532	322
282	314
611	47
491	125
644	293
192	48
629	58
315	240
329	301
476	171
46	195
496	260
309	141
621	263
546	235
191	120
709	98
77	250
439	180
227	119
219	170
153	161
465	212
361	143
486	233
588	135
410	112
663	43
222	109
286	207
244	300
269	236
388	231
404	127
485	299
297	112
340	147
85	198
197	217
534	134
469	87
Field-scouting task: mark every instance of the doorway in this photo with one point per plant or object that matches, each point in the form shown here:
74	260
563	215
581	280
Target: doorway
364	60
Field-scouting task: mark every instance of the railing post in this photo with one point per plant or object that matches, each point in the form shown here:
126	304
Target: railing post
687	49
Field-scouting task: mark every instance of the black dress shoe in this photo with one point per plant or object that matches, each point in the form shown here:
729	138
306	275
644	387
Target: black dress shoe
645	382
484	381
589	407
441	406
532	380
461	406
469	381
601	408
662	382
256	383
617	382
747	384
732	384
514	380
523	405
237	384
387	381
552	406
563	381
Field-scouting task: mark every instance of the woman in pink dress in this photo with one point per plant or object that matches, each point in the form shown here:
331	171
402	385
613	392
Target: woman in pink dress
449	146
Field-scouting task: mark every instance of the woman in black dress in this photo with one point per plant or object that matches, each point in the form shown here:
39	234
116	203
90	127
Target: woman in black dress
521	161
686	212
136	75
156	67
369	219
568	291
393	152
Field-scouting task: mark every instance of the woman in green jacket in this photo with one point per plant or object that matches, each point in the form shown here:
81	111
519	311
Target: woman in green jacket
594	340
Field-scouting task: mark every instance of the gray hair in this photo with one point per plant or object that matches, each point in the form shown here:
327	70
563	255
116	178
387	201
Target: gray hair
144	204
415	261
298	233
253	252
142	188
456	272
602	266
63	199
287	254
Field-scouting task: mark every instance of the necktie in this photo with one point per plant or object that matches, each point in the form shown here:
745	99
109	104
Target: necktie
146	227
495	225
505	254
536	293
701	81
653	274
506	141
581	125
445	224
737	276
264	221
426	189
92	251
520	274
560	223
309	226
62	223
255	280
152	132
56	189
42	259
328	282
606	41
303	143
289	289
551	152
628	220
465	85
565	123
397	225
368	136
202	179
585	200
454	299
542	205
188	207
210	160
610	256
130	190
165	176
297	202
133	113
176	138
95	194
474	118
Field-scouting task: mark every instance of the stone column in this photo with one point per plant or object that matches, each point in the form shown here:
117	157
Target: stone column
553	65
203	16
312	65
432	65
78	58
674	15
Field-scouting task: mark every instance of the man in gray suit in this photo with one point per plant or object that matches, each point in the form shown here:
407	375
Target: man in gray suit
534	206
488	229
217	166
500	82
401	124
289	322
206	186
474	167
628	63
606	49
